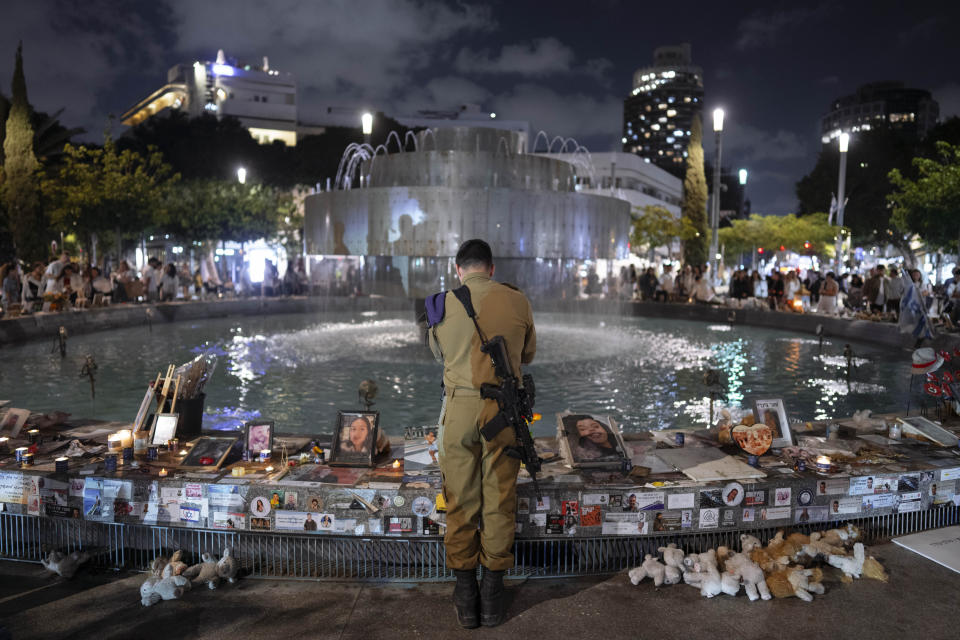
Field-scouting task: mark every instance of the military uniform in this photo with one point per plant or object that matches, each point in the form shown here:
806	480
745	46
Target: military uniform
479	478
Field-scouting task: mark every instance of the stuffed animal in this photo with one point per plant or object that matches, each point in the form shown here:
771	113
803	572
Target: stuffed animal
745	571
817	548
842	537
672	556
852	566
177	563
778	553
157	566
206	571
64	565
227	566
795	581
702	572
170	587
874	570
651	568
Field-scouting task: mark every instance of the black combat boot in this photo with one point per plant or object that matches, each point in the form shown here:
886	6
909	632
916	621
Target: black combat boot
492	608
466	598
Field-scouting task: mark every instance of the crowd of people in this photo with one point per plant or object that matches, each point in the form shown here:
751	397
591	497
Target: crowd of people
65	284
878	291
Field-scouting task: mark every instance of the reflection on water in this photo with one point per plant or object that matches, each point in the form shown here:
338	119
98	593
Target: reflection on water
298	370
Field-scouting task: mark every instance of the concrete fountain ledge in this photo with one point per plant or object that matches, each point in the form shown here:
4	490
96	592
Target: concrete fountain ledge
45	325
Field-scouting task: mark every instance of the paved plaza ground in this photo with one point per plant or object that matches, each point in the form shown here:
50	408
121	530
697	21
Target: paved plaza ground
920	601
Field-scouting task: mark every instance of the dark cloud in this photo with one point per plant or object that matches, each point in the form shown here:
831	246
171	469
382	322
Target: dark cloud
540	57
770	28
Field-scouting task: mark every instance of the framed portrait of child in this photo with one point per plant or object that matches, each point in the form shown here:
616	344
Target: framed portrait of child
355	438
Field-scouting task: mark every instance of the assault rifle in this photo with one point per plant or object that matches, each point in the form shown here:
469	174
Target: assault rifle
515	401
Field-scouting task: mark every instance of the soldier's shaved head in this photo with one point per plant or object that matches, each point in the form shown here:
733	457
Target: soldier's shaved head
474	255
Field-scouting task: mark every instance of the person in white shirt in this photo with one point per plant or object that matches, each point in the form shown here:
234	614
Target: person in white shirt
703	292
168	283
667	284
828	295
33	285
151	278
54	269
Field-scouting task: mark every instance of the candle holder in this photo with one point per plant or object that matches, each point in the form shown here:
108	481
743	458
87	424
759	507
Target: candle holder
162	473
265	455
110	462
127	455
28	459
20	452
4	445
173	444
114	443
153	453
140	445
823	465
33	436
61	464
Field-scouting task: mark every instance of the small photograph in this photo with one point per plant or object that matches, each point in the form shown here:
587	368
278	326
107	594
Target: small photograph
832	487
258	436
861	485
756	438
926	477
666	521
421	455
804	497
13	421
644	501
728	518
543	503
733	494
290	500
277	497
773	414
208	452
354	438
781	496
591	516
616	500
399	524
259	507
228	520
748	514
570	524
315	503
710	498
811	514
755	498
260	524
554	524
300	521
590	441
570	508
523	505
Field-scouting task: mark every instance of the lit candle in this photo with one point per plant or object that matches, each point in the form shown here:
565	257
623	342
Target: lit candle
114	443
20	453
33	436
265	455
140	444
182	453
126	438
163	473
269	469
4	444
60	464
396	464
238	471
823	464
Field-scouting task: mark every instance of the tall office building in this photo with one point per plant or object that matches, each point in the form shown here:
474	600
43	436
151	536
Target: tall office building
263	99
660	109
913	112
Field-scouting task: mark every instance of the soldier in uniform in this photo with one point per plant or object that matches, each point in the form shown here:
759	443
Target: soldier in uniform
479	479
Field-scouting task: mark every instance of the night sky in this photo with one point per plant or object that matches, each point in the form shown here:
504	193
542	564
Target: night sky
566	67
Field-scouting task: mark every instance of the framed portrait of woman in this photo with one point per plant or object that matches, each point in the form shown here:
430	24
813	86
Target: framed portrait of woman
590	441
773	414
355	438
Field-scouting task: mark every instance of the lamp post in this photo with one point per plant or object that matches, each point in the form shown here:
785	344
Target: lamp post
715	213
242	175
366	120
743	190
844	144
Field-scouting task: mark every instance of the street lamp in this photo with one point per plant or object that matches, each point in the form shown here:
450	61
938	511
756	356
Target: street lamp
242	175
743	191
844	145
715	213
366	120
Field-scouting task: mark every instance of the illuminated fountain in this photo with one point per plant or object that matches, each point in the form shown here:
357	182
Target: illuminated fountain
401	216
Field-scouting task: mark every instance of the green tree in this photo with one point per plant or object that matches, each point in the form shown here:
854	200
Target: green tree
694	208
21	179
204	210
929	205
96	192
653	226
771	232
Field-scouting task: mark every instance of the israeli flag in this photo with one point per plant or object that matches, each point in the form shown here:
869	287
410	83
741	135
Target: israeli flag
913	313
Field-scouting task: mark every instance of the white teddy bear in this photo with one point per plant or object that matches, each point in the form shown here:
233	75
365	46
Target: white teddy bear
852	566
702	572
745	571
651	568
673	558
168	587
64	565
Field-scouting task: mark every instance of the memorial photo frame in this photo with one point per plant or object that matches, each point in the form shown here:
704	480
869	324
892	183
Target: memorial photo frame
589	441
13	421
209	452
164	428
257	436
140	422
351	446
914	426
773	413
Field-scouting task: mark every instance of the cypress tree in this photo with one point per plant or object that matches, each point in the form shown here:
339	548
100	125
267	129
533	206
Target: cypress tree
21	185
694	207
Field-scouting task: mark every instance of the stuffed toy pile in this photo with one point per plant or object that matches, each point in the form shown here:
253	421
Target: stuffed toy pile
169	580
787	566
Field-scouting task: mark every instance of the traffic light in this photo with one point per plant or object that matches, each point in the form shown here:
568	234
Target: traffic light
760	250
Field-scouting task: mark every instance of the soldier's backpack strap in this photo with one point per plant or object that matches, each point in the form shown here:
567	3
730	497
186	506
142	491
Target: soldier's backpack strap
463	295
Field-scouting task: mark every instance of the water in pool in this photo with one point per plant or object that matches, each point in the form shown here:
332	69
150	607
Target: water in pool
299	369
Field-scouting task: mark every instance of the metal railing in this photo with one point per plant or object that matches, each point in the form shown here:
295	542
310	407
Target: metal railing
388	558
